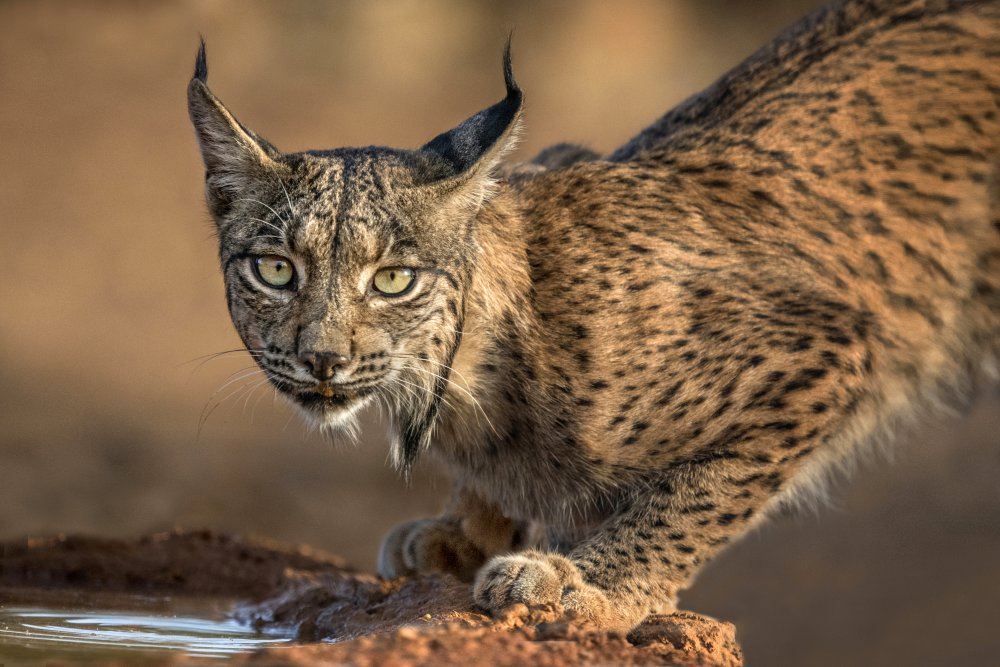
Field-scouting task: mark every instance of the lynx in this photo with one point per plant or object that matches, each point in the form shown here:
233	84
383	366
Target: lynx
626	361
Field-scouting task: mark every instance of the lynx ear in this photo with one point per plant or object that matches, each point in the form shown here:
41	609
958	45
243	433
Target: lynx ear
234	156
474	148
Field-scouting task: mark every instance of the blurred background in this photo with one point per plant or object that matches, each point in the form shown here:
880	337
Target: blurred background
114	424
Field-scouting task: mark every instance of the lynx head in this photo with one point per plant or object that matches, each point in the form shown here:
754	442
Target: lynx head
347	270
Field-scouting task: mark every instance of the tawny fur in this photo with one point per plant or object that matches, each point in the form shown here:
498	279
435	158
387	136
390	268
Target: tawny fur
625	361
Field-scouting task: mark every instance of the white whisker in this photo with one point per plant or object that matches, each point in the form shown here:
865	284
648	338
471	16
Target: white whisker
209	408
281	230
257	201
451	382
291	208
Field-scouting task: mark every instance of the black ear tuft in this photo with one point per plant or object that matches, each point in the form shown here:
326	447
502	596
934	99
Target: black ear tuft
508	69
482	140
201	63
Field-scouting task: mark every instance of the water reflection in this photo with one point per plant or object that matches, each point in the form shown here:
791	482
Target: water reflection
33	632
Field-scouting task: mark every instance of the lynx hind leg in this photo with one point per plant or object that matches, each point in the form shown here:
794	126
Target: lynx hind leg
429	545
458	542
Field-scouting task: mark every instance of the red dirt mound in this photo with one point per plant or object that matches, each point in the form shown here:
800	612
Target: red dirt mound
414	621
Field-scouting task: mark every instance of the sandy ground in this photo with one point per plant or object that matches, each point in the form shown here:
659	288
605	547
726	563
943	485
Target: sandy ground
415	621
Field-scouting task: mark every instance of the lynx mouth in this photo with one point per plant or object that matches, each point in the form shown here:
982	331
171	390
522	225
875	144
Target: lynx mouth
328	397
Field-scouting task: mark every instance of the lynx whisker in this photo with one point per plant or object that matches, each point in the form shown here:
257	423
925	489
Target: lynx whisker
475	401
207	411
282	232
291	208
213	356
450	369
259	383
444	399
257	201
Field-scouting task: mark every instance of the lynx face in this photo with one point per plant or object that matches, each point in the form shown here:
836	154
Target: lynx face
346	270
337	287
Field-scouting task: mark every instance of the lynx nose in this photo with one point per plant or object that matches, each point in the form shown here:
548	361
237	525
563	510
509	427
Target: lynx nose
322	365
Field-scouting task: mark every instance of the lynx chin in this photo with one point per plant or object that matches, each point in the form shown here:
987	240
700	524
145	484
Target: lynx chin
625	361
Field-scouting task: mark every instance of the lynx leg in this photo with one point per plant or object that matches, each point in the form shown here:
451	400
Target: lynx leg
458	542
639	561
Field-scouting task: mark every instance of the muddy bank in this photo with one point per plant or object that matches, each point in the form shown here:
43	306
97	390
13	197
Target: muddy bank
415	621
178	562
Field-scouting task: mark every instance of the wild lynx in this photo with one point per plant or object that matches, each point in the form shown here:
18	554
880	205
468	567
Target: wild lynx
626	361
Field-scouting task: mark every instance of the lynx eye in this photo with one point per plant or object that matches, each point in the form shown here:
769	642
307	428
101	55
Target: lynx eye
274	270
394	281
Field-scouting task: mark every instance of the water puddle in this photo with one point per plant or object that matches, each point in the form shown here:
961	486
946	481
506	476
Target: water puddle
31	635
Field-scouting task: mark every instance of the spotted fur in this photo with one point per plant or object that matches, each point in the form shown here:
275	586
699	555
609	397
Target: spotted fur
626	361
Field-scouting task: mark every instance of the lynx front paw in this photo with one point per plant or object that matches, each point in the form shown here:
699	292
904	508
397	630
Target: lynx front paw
426	546
536	578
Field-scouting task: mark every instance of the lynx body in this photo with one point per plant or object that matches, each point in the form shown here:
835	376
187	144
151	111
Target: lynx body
626	361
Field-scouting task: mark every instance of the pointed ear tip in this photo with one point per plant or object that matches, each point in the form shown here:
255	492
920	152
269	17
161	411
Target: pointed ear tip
201	63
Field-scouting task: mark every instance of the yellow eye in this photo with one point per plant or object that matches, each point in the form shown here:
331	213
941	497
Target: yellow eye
275	270
394	282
